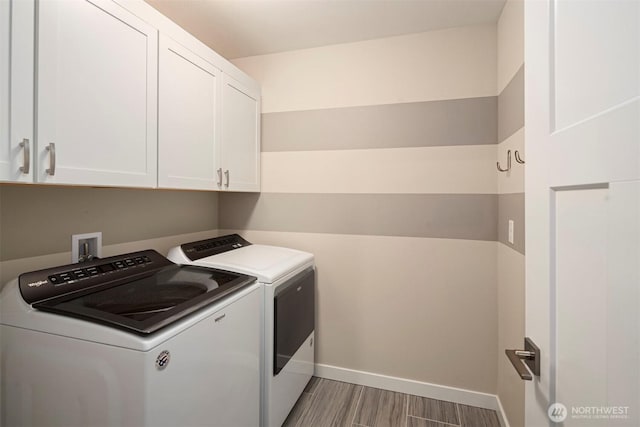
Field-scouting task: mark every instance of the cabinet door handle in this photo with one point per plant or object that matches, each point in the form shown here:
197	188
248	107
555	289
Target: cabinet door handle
219	171
226	174
51	148
219	318
26	164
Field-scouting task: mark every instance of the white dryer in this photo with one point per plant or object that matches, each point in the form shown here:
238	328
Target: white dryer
288	278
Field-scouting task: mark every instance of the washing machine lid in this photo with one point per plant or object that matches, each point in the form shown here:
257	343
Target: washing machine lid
140	292
267	263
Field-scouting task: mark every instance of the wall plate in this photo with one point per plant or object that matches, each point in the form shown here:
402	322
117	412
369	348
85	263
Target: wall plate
93	242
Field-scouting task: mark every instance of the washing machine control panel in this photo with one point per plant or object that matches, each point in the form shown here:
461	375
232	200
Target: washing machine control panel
217	245
41	285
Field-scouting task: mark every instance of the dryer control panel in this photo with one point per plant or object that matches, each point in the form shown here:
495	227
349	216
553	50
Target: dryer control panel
217	245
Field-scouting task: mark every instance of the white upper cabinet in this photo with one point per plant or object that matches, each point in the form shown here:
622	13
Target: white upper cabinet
115	109
17	19
188	129
97	95
240	140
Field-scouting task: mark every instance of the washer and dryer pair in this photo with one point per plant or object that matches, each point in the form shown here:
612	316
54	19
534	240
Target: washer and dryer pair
137	340
287	278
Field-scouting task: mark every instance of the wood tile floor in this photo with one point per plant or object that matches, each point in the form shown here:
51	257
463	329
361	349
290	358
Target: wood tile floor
332	403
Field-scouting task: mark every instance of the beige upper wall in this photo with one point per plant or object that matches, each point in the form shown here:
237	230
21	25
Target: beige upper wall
433	170
510	42
448	64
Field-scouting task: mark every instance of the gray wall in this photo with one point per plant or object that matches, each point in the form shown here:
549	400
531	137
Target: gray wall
38	220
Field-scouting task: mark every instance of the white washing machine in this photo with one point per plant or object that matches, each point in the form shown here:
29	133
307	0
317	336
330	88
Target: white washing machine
132	340
288	278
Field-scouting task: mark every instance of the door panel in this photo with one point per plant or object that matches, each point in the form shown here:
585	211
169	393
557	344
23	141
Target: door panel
582	194
593	69
17	20
188	119
581	298
97	94
600	150
596	301
240	143
623	299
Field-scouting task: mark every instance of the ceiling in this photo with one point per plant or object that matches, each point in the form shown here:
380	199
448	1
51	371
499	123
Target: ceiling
239	28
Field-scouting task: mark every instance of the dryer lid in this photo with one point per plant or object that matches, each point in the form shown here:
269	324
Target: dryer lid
267	263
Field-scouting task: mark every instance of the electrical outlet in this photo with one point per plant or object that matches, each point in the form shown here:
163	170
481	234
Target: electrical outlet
85	247
511	231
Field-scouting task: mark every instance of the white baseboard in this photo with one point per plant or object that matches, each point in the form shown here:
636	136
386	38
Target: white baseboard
417	388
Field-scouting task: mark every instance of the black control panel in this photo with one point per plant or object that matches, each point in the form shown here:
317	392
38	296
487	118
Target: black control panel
217	245
53	282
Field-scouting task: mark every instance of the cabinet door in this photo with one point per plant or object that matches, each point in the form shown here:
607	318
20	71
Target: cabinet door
97	95
16	90
240	142
187	128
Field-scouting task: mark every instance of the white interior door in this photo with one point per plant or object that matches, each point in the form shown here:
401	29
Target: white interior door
582	183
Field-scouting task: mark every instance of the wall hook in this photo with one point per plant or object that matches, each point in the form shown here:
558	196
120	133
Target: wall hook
508	163
518	158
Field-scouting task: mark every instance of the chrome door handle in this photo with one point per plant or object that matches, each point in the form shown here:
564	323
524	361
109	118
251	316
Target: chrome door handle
219	172
219	318
529	357
226	174
26	164
51	148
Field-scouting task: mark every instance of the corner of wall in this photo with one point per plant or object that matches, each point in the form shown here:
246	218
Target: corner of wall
510	260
